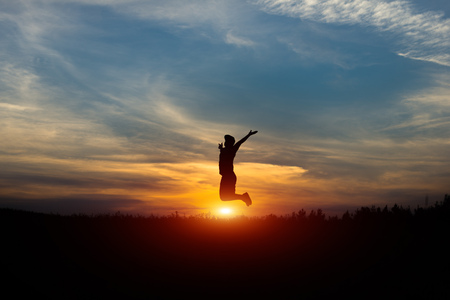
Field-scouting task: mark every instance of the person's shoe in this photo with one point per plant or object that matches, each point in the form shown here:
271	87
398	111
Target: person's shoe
247	200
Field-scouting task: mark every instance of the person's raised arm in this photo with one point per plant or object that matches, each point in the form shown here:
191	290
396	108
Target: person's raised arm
239	143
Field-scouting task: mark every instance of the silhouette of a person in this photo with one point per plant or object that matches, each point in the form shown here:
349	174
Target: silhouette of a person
228	183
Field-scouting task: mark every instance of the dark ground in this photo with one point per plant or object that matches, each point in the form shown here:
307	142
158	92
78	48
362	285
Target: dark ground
370	254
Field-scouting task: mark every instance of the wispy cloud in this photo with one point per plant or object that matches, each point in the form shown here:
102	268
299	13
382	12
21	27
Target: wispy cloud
428	111
420	35
231	38
8	106
211	19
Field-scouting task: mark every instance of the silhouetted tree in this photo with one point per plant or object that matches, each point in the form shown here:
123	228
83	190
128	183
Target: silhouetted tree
346	217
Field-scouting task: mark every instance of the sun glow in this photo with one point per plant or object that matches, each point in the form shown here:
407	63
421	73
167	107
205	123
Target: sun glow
225	211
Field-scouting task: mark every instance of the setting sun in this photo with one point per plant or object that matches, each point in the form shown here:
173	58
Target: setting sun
225	211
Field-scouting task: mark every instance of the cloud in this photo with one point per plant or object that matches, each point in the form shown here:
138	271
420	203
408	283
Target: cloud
426	113
179	12
420	35
8	106
232	39
210	19
188	187
86	111
18	84
35	29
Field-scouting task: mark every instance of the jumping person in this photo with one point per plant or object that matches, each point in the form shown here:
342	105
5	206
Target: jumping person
226	169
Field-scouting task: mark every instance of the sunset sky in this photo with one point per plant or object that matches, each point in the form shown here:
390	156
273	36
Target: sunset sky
118	105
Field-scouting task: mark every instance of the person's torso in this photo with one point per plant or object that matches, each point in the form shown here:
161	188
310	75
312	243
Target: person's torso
226	159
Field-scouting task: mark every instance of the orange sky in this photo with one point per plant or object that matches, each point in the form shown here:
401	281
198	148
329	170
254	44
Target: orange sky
74	185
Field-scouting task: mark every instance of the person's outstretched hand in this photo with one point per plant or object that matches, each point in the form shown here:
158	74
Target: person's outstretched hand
220	146
252	132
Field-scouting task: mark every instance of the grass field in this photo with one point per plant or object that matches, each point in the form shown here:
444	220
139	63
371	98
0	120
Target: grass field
371	253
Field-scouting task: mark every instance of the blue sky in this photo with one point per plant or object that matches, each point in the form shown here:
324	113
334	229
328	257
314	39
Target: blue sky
119	105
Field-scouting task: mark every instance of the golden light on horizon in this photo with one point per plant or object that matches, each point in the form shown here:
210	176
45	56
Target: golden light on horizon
162	188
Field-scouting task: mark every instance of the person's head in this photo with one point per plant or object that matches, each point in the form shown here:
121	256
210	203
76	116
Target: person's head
229	140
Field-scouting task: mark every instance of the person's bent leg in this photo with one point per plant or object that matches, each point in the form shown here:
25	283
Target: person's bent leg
228	190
